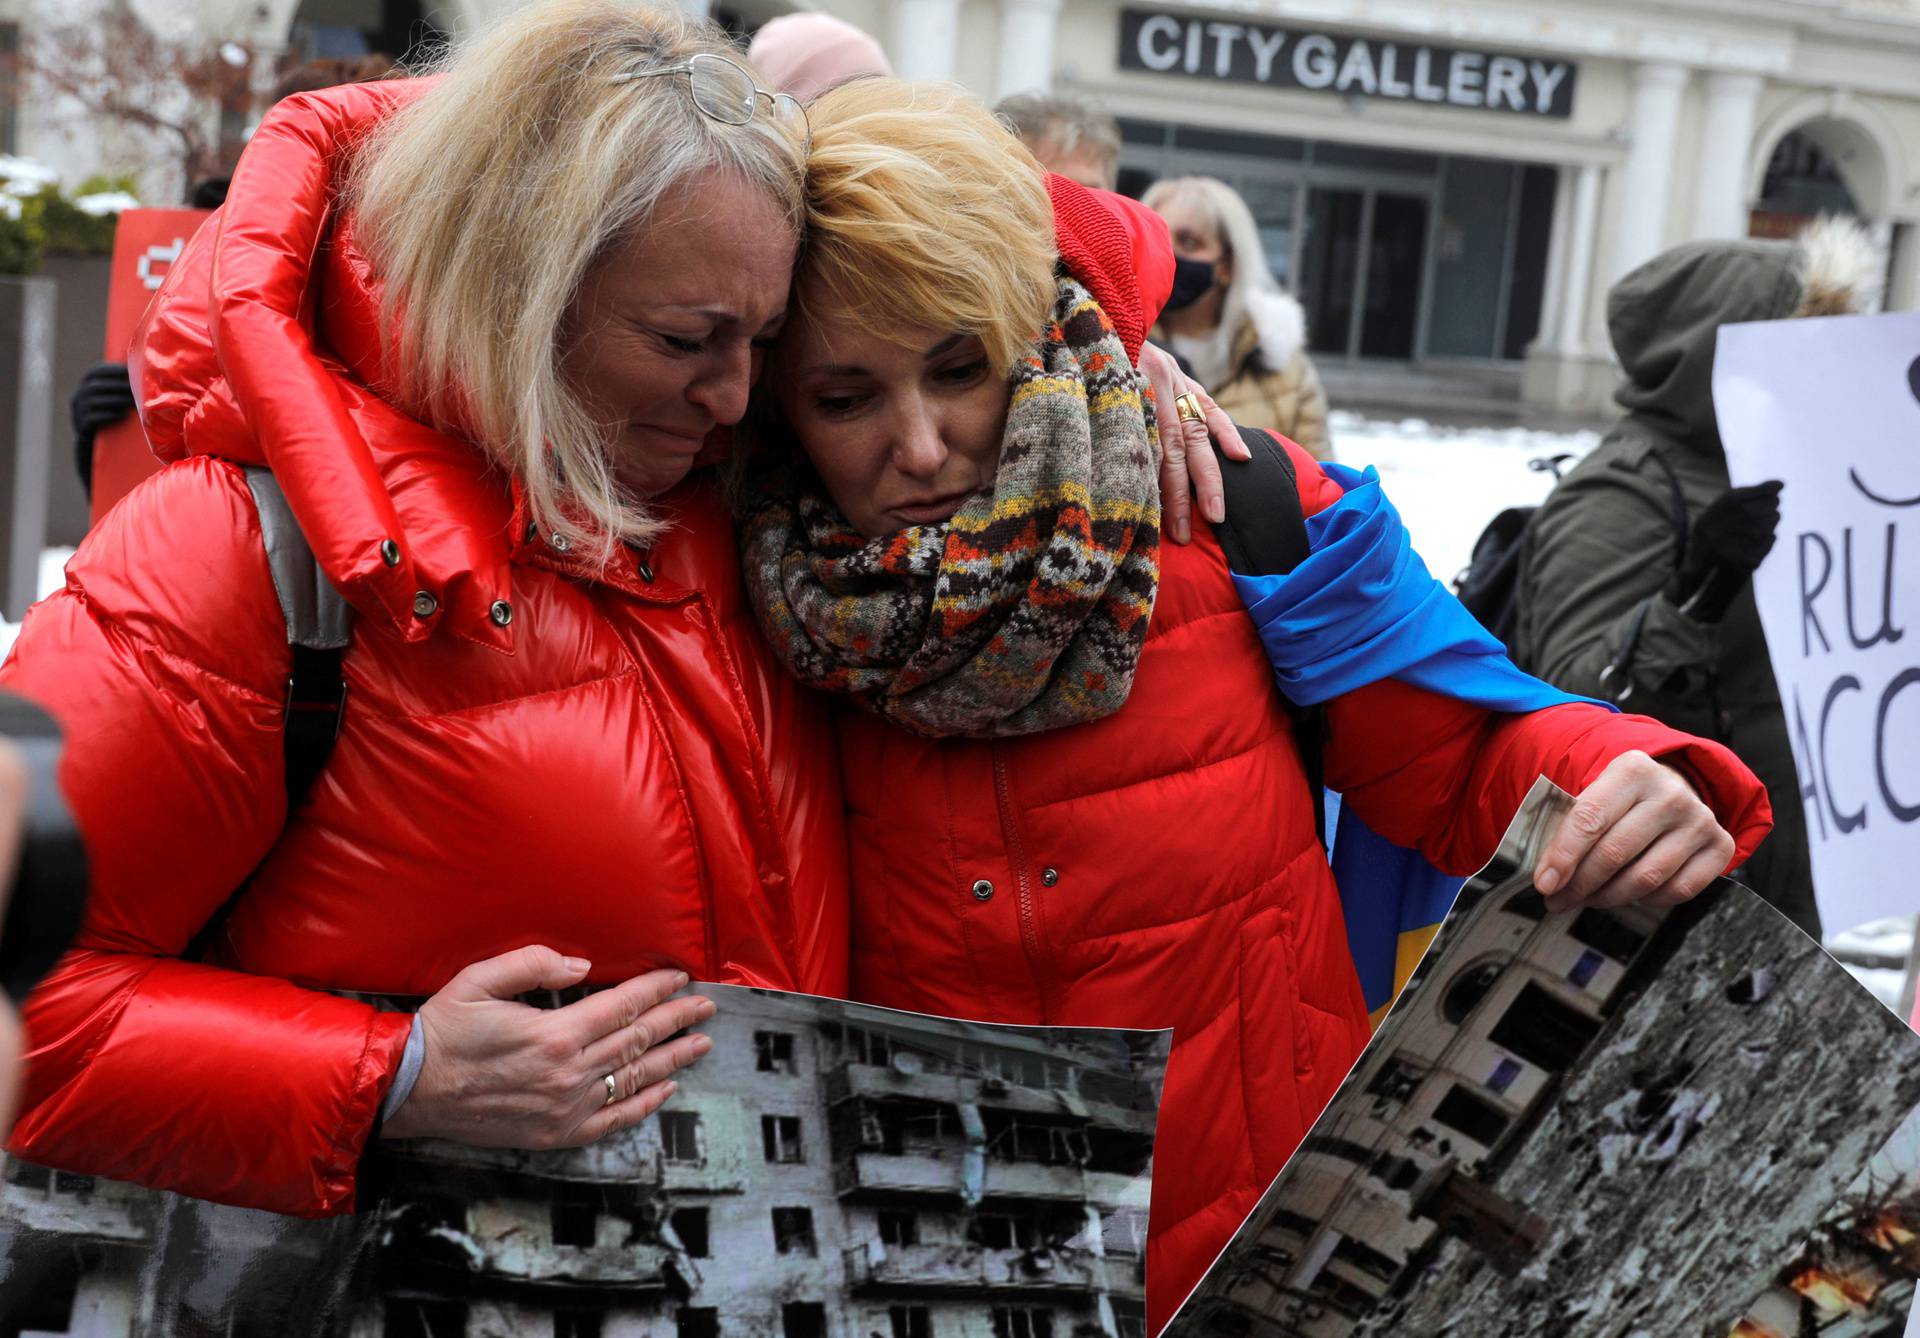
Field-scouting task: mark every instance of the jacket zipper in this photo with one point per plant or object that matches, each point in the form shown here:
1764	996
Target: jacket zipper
1038	960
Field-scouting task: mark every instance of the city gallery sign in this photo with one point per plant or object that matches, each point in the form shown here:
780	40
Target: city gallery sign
1249	53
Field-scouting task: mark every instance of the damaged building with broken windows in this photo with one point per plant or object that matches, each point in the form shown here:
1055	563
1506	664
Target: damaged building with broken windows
1525	996
1562	1115
827	1171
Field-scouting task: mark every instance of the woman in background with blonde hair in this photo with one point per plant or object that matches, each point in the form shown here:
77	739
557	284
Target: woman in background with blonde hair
563	756
1242	335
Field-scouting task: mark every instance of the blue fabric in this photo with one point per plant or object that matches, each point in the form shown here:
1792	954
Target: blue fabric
1360	608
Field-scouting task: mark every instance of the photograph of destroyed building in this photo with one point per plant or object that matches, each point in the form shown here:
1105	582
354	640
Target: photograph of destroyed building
828	1171
1554	1127
1855	1276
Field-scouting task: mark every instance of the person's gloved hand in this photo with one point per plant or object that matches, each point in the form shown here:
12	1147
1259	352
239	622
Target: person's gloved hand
1726	545
103	397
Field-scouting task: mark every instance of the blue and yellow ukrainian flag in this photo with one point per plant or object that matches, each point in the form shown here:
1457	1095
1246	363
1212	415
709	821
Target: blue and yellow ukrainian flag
1360	608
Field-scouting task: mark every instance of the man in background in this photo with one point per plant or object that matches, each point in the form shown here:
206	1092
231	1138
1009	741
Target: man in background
1073	138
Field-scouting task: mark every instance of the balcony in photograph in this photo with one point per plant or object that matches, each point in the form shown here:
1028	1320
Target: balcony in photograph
879	1174
970	1270
875	1082
38	1200
628	1160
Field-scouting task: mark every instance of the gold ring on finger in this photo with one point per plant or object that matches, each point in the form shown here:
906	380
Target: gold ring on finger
613	1091
1188	407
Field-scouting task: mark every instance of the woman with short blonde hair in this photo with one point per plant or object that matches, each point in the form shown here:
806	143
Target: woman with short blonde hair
477	329
1074	796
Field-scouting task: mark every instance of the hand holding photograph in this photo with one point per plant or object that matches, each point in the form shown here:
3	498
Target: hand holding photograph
1597	1124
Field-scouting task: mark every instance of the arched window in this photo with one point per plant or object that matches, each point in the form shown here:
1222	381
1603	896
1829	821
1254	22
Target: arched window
1468	989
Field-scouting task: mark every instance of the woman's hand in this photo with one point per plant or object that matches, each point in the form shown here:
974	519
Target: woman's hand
503	1074
1639	833
1185	462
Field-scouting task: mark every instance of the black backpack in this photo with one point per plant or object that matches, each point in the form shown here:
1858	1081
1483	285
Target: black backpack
1489	585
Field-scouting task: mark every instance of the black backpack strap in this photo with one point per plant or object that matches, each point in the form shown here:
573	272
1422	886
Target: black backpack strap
1265	534
1620	670
319	628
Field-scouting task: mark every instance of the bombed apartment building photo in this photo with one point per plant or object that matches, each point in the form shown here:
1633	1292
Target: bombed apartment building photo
1855	1275
1607	1122
828	1171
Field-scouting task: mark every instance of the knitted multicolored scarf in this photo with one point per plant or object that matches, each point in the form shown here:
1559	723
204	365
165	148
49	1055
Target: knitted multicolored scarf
1025	612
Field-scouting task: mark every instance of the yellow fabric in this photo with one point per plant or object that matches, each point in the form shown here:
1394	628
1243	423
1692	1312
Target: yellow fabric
1412	947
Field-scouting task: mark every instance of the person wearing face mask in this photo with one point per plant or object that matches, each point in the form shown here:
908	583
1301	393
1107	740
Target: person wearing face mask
1239	333
1074	795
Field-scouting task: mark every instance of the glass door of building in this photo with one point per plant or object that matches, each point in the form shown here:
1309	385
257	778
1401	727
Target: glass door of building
1362	262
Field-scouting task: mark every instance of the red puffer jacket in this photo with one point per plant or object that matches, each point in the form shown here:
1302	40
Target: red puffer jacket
1159	869
619	770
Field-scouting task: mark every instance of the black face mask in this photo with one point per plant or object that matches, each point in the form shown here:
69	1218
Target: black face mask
1192	280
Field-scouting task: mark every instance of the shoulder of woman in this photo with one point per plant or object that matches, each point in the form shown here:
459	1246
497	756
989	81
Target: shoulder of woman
180	565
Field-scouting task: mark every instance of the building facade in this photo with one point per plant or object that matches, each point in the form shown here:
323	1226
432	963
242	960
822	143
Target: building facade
827	1171
1374	1192
1439	183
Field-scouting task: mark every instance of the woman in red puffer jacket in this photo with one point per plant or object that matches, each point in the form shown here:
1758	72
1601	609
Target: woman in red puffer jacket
1073	793
566	756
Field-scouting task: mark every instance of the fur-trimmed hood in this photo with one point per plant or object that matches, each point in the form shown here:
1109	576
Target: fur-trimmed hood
1274	324
1665	317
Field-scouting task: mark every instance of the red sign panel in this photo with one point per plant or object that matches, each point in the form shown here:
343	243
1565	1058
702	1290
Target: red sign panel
145	245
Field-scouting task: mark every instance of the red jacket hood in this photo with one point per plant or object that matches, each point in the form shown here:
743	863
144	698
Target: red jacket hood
226	363
1120	250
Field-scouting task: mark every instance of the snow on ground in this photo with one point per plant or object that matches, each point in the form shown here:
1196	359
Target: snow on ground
53	575
1448	483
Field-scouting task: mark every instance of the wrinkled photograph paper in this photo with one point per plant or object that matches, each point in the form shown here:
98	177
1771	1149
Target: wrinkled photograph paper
829	1169
1594	1124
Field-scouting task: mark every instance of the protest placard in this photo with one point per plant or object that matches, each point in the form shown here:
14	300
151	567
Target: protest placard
1832	408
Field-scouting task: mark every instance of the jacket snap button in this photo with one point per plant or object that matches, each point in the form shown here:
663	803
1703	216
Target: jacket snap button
1049	876
983	891
390	552
501	613
559	543
424	604
646	573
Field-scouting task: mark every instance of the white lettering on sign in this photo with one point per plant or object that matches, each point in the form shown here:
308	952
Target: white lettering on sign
1507	83
1265	46
1546	80
1162	27
1313	63
153	265
1357	69
1423	86
1224	35
1464	84
1391	85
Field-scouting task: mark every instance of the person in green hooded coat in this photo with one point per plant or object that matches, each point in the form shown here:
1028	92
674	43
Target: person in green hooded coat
1636	584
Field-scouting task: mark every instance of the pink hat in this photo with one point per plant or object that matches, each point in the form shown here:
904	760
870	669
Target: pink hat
806	54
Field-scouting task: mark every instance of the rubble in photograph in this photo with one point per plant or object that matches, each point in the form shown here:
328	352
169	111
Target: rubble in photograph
1596	1123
